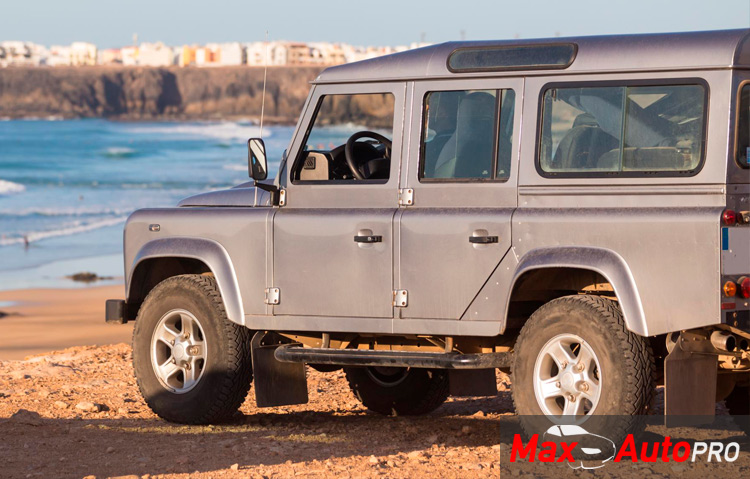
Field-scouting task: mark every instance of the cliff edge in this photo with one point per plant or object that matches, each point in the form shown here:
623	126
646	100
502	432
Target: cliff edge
144	93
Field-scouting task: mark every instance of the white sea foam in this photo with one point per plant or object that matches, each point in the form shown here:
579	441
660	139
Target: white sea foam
65	211
8	187
223	131
119	152
70	229
234	167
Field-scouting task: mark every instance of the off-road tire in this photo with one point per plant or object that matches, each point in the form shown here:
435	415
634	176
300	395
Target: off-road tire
227	372
628	370
420	392
738	403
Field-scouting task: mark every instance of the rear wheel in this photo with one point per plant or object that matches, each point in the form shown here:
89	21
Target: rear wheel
575	359
191	363
398	391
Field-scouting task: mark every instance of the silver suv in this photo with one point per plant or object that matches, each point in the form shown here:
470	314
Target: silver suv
572	210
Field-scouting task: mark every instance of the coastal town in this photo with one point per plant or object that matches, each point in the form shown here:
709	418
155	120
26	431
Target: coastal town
274	53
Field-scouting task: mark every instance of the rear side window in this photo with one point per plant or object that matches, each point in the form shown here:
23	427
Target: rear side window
743	129
623	130
467	135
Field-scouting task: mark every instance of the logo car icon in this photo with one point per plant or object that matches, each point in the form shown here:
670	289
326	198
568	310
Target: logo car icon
592	451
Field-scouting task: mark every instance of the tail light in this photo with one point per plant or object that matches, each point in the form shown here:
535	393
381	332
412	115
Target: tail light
744	286
730	289
729	217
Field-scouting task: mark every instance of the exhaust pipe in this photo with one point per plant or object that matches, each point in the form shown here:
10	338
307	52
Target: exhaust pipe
723	341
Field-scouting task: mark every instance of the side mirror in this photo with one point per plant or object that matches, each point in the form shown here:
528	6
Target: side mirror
256	159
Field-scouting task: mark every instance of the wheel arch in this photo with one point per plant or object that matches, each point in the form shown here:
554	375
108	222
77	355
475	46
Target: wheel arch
163	258
569	269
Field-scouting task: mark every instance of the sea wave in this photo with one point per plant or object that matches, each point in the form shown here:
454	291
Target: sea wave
71	229
233	167
64	211
234	131
8	187
119	152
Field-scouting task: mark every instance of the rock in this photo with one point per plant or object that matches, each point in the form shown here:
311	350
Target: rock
5	394
30	418
89	477
414	454
61	405
466	430
479	414
110	450
235	467
432	439
87	406
373	460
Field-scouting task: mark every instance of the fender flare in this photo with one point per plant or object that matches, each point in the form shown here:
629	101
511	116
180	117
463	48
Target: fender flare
603	261
207	251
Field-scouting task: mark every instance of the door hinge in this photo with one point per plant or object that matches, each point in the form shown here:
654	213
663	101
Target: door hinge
282	197
406	196
273	295
400	298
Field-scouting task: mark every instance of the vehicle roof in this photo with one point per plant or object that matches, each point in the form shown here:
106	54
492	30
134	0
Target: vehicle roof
642	52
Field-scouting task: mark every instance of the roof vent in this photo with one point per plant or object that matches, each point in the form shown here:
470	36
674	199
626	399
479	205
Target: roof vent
509	58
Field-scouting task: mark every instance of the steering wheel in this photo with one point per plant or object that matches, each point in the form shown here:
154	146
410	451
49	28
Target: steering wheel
356	165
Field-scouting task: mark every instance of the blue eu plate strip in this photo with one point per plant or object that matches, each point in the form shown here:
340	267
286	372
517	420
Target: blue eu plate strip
725	239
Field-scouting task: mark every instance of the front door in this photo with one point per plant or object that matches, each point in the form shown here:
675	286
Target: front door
333	240
463	172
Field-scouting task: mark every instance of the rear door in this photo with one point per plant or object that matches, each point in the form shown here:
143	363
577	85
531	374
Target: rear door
462	171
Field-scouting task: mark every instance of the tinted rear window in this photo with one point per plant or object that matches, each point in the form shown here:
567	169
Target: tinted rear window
621	130
743	129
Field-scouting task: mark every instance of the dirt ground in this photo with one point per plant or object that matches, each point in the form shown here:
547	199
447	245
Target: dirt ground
48	430
78	413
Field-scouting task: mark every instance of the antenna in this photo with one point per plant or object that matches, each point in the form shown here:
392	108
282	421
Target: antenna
265	75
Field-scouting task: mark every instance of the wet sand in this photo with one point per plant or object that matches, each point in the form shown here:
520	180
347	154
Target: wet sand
41	320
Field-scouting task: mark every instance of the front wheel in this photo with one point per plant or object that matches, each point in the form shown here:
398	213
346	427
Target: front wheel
191	363
398	391
575	359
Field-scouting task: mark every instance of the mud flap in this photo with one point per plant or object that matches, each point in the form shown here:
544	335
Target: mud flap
689	387
276	383
472	382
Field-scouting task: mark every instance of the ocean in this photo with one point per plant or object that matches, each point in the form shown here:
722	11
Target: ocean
67	187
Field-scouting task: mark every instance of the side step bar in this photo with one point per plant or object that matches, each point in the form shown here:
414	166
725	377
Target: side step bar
294	353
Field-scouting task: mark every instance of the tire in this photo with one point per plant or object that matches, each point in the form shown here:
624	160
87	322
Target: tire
206	375
738	403
398	391
615	385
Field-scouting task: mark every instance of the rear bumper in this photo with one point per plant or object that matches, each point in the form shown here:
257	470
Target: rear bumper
116	311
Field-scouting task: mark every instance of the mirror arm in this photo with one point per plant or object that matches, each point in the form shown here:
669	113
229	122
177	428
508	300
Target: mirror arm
271	188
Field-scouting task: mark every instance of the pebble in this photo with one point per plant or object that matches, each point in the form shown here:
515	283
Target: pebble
234	467
89	477
61	405
110	450
87	406
373	460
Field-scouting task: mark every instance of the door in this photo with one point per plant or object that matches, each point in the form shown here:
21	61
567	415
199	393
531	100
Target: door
333	240
463	172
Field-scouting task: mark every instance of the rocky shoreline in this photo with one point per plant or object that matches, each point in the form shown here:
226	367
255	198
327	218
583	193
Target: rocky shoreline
143	93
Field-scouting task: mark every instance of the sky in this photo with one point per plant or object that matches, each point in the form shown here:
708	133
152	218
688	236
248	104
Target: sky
110	23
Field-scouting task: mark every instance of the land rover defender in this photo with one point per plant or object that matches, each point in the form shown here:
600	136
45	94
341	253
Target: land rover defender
575	211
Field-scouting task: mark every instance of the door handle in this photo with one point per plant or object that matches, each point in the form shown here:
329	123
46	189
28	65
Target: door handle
483	239
368	239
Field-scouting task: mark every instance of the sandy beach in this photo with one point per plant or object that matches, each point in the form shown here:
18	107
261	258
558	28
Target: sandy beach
41	320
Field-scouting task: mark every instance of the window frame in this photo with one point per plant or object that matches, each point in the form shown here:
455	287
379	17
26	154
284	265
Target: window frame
300	154
738	106
495	140
693	81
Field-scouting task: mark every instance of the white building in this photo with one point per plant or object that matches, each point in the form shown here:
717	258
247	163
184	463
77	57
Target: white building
129	56
231	54
14	53
83	54
155	55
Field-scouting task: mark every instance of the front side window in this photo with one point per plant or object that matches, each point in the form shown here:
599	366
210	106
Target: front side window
743	128
623	129
467	134
350	139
